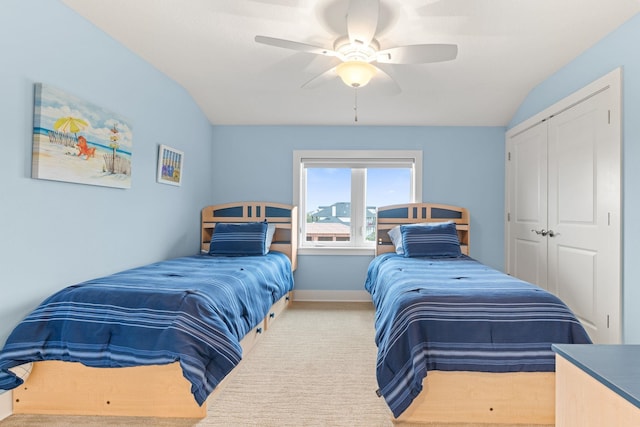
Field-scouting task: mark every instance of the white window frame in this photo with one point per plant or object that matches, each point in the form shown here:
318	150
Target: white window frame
353	159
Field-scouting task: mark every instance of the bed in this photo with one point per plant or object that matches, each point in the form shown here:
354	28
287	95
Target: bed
458	341
157	340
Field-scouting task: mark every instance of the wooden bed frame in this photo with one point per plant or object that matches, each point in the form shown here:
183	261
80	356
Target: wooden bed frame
462	396
69	388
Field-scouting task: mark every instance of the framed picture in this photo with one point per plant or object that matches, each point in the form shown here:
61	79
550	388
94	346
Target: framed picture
170	165
77	141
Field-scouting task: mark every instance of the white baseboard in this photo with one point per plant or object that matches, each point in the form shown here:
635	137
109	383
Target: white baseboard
338	296
6	404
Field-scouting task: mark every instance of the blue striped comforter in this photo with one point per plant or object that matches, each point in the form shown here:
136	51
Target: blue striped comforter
457	314
194	310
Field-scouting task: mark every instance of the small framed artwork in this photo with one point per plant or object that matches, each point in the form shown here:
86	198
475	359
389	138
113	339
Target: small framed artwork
170	165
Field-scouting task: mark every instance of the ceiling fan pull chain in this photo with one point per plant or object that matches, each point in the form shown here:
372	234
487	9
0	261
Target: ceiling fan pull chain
355	106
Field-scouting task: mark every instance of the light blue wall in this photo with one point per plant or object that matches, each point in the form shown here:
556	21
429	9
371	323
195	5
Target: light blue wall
463	166
55	234
619	49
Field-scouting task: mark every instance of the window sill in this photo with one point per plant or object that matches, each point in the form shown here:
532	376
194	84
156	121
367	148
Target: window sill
336	251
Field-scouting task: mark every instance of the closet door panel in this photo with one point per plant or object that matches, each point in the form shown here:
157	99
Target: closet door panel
578	266
527	170
576	271
572	169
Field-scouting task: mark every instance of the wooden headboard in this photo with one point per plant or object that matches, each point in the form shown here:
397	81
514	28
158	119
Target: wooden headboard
413	213
285	217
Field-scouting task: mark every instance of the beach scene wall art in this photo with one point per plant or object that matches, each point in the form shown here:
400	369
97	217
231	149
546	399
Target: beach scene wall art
77	141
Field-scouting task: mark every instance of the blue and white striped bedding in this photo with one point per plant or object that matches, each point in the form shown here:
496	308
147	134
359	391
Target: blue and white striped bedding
194	310
456	314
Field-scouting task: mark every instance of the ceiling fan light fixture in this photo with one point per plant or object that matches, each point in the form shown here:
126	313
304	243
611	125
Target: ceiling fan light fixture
356	73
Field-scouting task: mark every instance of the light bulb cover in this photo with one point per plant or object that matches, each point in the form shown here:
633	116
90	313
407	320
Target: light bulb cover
356	73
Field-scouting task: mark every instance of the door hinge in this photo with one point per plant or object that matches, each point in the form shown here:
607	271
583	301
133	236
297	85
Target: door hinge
607	321
508	216
509	156
609	116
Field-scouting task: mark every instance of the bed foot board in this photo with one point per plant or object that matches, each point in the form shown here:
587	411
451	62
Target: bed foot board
71	388
484	398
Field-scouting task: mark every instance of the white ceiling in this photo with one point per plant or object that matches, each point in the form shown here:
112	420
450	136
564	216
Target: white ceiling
505	48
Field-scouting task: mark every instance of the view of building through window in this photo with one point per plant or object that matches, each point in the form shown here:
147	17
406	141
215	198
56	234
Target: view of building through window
330	197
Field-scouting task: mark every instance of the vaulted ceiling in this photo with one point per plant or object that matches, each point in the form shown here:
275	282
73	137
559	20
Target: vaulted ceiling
505	48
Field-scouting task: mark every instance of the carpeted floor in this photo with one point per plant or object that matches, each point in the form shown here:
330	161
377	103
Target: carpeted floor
323	377
326	376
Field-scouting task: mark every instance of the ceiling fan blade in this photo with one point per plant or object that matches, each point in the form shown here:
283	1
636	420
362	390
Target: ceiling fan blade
288	44
418	54
385	83
321	79
362	20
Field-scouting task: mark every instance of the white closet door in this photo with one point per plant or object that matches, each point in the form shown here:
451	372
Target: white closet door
584	214
527	180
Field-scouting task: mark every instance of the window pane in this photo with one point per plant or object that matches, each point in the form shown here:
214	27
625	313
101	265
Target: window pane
330	186
385	186
328	204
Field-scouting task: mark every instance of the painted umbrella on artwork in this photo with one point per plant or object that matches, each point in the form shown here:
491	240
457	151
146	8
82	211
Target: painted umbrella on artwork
70	124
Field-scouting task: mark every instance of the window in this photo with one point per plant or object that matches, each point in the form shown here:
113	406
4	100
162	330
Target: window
337	193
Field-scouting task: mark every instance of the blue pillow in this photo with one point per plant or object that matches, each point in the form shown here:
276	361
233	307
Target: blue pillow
239	239
396	235
439	240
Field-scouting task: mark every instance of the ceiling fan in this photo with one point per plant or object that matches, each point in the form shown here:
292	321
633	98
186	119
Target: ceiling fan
358	50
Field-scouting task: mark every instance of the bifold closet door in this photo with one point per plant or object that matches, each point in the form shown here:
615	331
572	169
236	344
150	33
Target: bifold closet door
527	180
583	240
564	209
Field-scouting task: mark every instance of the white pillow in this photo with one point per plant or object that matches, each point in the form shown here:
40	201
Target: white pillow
396	235
271	230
